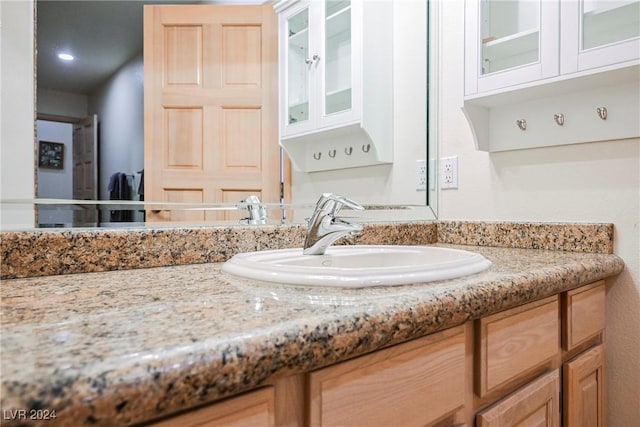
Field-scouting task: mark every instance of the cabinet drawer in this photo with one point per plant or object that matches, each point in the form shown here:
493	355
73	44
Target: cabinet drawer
583	315
250	409
515	345
537	404
411	384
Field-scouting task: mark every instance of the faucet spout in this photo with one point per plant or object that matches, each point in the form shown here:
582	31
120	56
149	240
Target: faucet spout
257	210
324	226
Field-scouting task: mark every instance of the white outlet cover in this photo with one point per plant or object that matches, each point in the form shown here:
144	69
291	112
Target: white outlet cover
449	173
421	175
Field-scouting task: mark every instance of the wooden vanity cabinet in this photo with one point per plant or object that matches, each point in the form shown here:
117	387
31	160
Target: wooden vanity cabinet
583	311
552	351
541	363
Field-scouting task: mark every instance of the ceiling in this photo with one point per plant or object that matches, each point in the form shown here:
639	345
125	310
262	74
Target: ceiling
102	35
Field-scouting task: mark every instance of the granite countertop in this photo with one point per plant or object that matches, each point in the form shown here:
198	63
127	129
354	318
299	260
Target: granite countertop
121	347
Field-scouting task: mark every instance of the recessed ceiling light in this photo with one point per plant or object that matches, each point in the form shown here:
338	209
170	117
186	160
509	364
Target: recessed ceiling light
66	56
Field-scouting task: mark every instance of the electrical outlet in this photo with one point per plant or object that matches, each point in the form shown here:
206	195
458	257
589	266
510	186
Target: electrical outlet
449	172
421	175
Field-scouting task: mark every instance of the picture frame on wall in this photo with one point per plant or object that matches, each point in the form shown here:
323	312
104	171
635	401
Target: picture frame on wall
50	155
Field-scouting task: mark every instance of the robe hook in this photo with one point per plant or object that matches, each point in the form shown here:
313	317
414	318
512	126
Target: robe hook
559	118
602	112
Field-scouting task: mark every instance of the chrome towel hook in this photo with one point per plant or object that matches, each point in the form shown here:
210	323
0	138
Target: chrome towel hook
522	124
602	112
317	155
559	118
332	153
348	151
366	148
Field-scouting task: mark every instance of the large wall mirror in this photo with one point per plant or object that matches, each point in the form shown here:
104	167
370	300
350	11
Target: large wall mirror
100	94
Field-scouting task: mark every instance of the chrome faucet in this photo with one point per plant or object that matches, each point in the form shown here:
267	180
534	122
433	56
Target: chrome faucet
324	227
257	210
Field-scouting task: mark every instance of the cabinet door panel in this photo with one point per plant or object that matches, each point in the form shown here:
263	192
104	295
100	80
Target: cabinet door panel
583	312
248	410
411	384
537	404
516	344
509	43
297	67
598	34
584	389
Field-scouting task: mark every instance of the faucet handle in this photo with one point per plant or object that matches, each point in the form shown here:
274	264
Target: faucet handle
335	202
324	227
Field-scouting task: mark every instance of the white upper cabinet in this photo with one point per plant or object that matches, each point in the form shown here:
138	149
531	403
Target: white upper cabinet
551	72
321	70
335	56
596	33
510	42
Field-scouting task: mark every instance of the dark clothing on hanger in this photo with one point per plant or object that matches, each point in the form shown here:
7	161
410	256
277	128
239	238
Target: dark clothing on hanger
141	185
120	189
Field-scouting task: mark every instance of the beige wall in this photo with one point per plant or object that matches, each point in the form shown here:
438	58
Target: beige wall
17	117
595	182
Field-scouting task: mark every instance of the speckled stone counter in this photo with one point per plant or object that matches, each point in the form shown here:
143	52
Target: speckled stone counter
46	252
113	348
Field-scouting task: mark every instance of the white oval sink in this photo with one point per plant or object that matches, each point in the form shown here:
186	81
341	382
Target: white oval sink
357	266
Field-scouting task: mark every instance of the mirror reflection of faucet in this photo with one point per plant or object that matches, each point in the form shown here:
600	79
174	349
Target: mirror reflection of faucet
257	211
324	226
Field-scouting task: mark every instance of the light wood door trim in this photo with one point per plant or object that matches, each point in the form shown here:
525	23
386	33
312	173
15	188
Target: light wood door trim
211	106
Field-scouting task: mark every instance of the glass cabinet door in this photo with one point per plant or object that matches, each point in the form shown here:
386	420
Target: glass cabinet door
337	57
298	65
609	21
510	34
597	33
510	42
